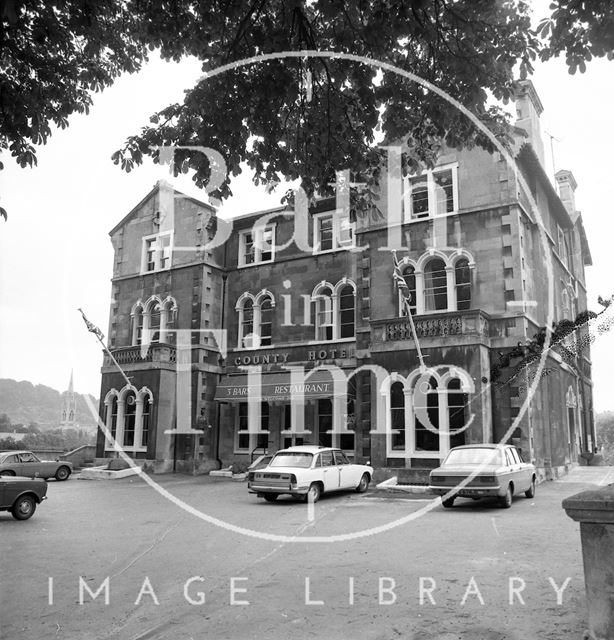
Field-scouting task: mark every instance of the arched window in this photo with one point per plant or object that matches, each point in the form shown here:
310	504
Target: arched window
145	420
397	415
426	405
324	313
137	326
335	310
168	321
457	412
346	312
435	285
266	321
129	418
409	275
155	312
462	275
246	323
112	408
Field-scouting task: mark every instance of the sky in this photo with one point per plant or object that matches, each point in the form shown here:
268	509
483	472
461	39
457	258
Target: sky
56	255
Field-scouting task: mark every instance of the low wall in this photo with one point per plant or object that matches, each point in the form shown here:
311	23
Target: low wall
85	453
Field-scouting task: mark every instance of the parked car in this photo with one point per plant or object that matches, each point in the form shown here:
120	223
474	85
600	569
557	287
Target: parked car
495	471
307	472
26	464
21	495
259	463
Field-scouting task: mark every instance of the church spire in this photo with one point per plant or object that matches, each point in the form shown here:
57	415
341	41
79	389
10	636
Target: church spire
69	406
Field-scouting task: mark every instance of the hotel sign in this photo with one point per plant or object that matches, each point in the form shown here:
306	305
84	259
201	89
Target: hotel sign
317	354
276	387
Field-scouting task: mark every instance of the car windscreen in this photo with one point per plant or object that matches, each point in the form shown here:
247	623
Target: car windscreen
290	459
473	456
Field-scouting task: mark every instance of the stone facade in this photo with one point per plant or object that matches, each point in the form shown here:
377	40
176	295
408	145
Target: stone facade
482	246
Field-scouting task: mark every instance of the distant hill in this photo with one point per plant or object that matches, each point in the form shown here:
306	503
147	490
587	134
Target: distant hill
24	402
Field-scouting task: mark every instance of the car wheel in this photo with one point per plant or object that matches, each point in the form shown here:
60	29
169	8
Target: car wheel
270	497
62	473
7	473
448	503
363	485
506	501
314	493
530	492
24	508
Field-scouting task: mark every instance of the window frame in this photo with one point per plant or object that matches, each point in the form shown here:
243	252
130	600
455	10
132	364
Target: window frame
318	301
256	319
336	227
253	438
161	262
442	394
429	174
257	233
115	421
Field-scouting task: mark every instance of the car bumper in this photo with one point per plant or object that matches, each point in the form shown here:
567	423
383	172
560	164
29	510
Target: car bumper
260	490
468	492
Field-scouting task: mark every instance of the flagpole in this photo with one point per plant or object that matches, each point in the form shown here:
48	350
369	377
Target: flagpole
98	333
410	317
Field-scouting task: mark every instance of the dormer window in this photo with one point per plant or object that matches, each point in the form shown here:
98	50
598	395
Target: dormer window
157	251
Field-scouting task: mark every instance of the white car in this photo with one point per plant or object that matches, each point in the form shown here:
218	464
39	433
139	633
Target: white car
308	472
483	471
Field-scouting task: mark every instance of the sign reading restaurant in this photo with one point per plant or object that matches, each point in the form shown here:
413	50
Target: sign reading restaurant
277	385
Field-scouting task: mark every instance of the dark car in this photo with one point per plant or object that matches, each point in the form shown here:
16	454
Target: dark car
27	464
21	495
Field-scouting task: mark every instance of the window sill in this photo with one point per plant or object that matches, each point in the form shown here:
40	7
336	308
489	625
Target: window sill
255	264
414	454
337	250
431	216
331	341
144	272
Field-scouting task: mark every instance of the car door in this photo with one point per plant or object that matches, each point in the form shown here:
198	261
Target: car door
330	471
524	470
30	466
515	470
45	468
11	463
346	471
510	471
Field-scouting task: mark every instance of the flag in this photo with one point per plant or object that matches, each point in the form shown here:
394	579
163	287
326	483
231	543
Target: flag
399	280
92	327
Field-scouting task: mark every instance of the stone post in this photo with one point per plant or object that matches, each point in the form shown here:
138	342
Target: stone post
594	510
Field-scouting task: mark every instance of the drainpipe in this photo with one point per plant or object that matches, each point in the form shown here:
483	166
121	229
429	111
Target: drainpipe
217	404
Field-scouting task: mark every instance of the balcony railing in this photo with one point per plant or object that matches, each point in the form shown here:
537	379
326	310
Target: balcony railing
436	325
135	355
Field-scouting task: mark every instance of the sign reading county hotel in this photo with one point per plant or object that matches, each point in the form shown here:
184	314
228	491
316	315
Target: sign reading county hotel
311	355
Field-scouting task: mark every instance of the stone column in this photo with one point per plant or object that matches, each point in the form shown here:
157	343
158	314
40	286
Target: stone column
594	510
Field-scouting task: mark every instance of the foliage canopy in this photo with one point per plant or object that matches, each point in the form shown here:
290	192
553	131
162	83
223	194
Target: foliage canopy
302	117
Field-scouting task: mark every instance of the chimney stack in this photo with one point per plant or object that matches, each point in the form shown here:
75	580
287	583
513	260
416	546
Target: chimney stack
528	110
566	186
